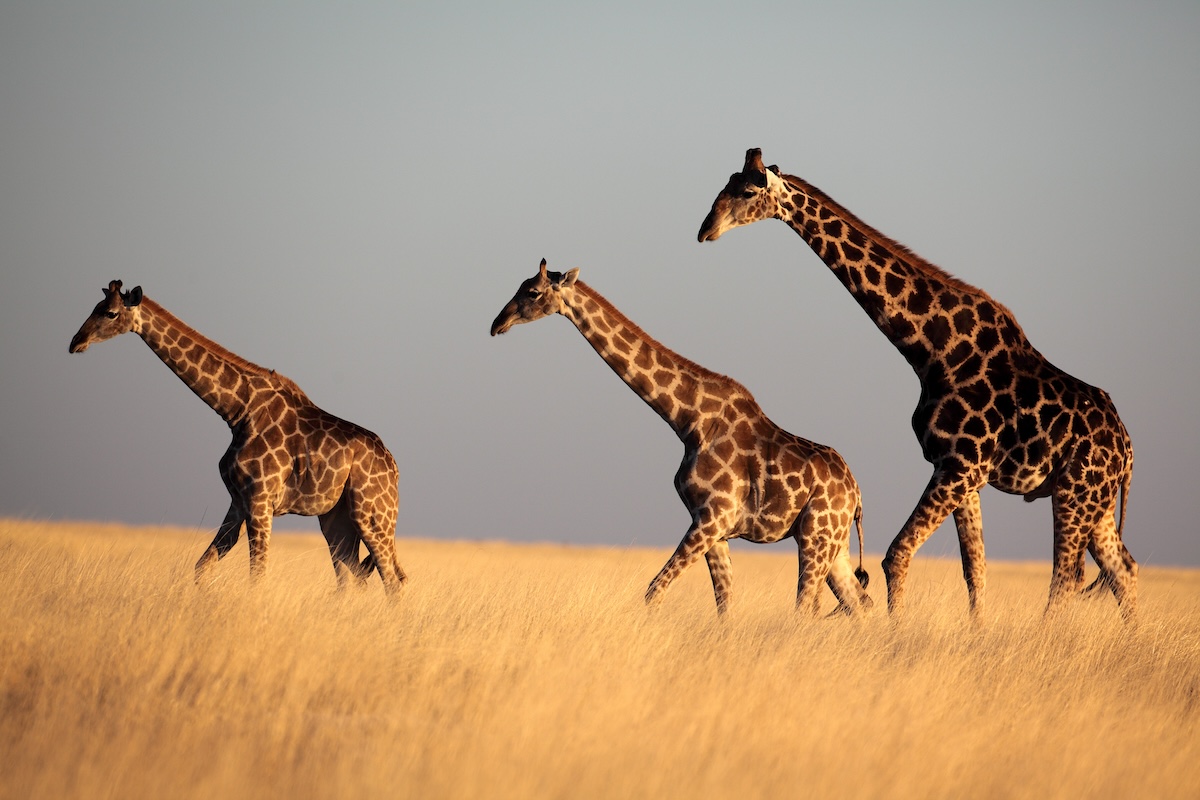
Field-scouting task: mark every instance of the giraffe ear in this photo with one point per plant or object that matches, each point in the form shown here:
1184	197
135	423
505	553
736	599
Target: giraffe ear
570	277
774	168
133	297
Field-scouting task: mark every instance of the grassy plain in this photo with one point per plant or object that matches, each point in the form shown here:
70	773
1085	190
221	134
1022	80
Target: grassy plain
535	671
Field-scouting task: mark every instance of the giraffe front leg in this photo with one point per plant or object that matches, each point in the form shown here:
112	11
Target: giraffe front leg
968	521
943	494
223	542
700	538
258	532
720	568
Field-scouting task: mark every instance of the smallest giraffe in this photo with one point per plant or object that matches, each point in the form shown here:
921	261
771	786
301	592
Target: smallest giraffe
742	476
288	456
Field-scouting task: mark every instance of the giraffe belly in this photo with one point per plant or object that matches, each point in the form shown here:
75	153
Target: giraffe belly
1013	477
312	492
308	496
306	505
764	534
764	527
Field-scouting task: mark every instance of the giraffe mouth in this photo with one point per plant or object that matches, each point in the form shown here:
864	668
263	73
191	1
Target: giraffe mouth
78	345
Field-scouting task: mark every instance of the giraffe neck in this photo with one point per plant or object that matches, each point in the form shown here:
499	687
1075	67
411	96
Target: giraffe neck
911	301
680	391
222	379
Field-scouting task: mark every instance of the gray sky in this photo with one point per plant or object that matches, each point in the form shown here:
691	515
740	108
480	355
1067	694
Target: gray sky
349	194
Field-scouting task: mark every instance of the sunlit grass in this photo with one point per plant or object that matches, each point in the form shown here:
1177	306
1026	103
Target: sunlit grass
519	671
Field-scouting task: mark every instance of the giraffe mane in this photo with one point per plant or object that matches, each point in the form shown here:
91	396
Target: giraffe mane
913	259
684	363
926	268
228	356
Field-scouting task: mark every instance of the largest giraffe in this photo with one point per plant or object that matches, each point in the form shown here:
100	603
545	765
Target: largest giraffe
742	475
288	456
992	409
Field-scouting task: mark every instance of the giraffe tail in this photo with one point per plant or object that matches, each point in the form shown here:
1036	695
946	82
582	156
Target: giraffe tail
861	573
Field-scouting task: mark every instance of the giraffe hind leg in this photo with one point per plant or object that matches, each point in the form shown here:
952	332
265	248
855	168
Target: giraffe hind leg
1118	570
862	578
381	543
376	525
812	546
1085	512
1104	580
1081	523
342	535
847	588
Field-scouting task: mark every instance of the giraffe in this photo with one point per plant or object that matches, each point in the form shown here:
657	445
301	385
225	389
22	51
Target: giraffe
287	455
992	409
742	476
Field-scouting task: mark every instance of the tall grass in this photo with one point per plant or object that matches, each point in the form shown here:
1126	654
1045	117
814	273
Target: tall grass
519	671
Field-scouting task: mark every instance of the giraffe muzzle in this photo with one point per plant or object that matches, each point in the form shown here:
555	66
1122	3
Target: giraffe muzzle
501	324
709	230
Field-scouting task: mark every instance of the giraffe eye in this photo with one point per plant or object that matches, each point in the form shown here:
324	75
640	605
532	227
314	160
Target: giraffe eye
111	314
749	193
534	294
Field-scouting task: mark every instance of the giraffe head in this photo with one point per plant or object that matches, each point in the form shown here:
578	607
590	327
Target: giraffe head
539	296
751	195
111	317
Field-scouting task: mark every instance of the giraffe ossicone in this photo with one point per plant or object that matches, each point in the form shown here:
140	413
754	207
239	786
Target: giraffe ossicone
742	476
288	456
992	409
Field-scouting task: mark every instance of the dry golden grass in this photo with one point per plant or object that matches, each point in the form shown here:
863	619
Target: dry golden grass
535	671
